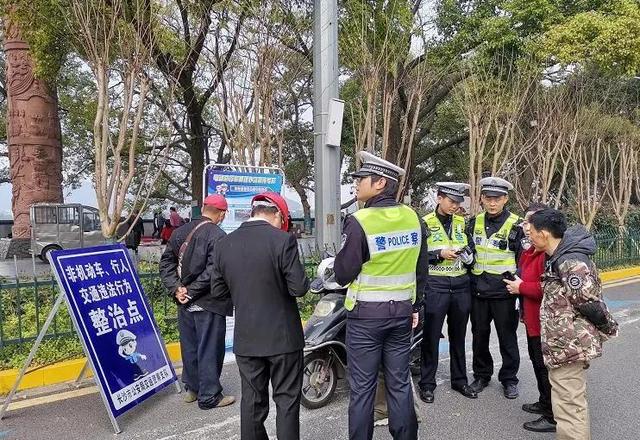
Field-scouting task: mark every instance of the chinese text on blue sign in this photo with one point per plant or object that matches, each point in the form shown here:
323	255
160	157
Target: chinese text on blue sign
115	323
239	188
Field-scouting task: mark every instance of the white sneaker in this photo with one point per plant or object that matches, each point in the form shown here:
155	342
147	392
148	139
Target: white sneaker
381	422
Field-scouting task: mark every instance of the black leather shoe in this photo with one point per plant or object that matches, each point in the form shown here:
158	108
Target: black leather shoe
479	384
511	391
533	408
465	390
541	425
426	396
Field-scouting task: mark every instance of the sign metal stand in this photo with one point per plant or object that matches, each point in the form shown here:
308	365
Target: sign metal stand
90	359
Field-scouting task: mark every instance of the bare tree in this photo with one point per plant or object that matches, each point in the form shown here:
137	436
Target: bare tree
548	137
493	108
592	164
119	60
623	161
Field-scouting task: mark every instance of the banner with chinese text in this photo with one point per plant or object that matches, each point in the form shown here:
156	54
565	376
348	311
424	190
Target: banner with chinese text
115	323
239	188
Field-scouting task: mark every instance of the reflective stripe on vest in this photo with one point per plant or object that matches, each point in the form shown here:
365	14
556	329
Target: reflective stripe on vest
439	239
489	257
394	239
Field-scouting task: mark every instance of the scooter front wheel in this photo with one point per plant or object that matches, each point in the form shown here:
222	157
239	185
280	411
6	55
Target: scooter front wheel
319	381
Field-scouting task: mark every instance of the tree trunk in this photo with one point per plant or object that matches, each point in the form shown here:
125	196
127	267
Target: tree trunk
198	144
306	207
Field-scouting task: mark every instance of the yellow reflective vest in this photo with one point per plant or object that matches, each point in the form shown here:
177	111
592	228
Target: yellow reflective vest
394	239
439	239
490	258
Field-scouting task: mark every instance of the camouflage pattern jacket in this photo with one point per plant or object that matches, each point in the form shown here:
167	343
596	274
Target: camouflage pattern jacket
569	283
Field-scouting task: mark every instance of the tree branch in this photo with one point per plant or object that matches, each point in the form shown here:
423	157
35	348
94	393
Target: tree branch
196	49
225	62
184	15
450	143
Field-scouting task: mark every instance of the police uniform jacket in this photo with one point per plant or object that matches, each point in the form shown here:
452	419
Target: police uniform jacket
447	284
355	252
489	285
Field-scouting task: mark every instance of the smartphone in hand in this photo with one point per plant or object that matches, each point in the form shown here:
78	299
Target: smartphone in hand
508	276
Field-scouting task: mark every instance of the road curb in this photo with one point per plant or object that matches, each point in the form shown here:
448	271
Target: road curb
69	370
619	274
60	372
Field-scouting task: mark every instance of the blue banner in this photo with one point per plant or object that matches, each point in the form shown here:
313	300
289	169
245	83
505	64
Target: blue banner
115	323
239	188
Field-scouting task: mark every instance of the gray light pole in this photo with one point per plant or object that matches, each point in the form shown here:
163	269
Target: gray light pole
327	157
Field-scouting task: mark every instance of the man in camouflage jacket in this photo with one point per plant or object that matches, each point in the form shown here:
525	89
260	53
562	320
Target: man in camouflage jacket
575	320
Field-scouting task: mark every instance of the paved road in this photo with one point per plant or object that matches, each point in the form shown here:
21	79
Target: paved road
614	381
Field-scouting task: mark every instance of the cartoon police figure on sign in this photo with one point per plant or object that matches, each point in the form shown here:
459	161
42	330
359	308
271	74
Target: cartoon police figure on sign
115	325
127	345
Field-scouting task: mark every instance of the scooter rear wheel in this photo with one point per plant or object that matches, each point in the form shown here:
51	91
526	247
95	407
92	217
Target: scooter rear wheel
319	381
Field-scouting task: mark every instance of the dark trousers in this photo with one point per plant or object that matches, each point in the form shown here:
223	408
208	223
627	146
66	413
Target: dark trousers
542	375
285	373
456	306
371	343
505	317
202	347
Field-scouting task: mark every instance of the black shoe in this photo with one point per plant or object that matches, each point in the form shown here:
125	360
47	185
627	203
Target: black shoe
511	391
541	425
533	408
465	390
426	395
479	384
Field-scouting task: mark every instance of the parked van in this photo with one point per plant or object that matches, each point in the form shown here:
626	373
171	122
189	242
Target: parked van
62	226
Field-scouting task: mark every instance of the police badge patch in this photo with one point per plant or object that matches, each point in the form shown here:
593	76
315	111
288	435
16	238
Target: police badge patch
574	282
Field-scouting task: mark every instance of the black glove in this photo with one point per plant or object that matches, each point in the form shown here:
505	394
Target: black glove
596	313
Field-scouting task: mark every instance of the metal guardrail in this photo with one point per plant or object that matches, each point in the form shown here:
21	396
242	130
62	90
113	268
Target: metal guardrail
24	304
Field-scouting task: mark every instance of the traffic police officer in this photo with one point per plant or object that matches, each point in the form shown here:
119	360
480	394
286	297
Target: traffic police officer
448	292
497	237
382	259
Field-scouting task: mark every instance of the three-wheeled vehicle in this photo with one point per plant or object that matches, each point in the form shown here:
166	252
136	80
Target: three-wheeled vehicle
60	226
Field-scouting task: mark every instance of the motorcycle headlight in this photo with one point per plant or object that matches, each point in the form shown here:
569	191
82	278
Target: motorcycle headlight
324	308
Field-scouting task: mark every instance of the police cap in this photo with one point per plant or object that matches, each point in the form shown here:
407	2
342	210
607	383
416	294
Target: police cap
373	165
495	187
453	190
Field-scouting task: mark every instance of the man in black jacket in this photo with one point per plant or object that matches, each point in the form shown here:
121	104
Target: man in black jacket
258	267
185	268
132	234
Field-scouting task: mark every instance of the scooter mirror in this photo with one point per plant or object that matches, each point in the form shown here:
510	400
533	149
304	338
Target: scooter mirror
328	254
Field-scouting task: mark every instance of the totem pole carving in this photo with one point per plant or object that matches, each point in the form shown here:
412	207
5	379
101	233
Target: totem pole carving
33	134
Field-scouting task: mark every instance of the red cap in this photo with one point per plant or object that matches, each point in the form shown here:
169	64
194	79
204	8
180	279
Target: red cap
217	201
279	202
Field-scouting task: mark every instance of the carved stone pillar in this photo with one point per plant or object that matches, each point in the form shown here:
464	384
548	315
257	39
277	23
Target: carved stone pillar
33	134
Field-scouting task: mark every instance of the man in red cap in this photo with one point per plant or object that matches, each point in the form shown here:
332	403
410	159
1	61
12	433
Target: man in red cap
259	268
185	268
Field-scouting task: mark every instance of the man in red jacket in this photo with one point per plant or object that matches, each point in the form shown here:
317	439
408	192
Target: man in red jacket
528	286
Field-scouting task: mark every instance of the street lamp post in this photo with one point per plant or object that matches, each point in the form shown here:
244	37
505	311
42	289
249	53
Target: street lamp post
327	157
